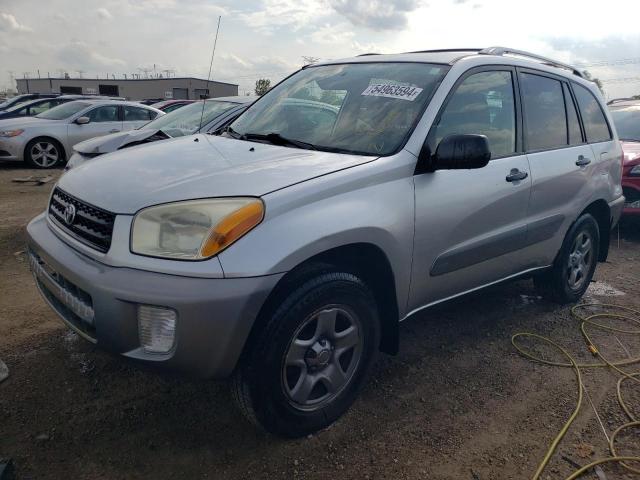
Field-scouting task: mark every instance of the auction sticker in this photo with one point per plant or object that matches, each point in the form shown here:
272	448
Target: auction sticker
403	92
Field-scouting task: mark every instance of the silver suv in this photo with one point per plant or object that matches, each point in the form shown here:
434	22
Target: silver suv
357	192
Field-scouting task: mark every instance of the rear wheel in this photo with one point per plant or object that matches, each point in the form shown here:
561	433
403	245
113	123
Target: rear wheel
43	153
575	264
308	364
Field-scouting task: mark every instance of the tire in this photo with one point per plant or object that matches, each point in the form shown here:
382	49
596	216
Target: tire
308	364
43	153
574	265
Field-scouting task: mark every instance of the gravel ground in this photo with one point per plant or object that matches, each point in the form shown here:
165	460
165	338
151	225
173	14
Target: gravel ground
457	402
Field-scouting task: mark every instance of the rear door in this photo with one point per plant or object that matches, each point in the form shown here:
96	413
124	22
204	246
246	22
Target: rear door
103	120
470	224
560	158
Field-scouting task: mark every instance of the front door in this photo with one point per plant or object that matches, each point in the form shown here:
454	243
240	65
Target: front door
471	224
103	120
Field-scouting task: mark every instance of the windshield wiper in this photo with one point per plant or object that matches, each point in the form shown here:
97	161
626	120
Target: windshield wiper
233	133
637	140
277	139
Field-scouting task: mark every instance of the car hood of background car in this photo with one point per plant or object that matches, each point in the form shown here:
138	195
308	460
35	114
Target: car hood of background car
198	166
17	122
114	141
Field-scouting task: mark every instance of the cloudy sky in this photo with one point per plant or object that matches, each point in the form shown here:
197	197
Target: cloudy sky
267	38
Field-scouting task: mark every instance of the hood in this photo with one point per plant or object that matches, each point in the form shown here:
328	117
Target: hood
114	141
196	166
18	122
631	152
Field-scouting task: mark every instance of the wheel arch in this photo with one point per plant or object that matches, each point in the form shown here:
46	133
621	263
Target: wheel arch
600	210
46	137
365	260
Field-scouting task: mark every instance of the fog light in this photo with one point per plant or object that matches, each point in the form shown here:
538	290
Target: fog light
156	328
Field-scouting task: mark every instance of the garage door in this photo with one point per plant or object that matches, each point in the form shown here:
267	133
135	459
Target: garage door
180	94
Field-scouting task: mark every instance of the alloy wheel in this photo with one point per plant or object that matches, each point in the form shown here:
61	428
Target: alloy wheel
44	154
322	357
580	260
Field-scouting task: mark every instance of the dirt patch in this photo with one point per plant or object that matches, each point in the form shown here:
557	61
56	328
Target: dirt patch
457	402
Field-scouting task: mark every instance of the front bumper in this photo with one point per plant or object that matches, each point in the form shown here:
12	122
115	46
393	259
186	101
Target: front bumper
631	187
100	302
11	148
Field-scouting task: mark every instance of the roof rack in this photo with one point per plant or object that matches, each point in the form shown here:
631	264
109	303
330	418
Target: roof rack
521	53
617	100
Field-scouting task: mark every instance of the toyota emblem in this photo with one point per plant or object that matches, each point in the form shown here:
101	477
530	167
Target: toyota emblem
69	214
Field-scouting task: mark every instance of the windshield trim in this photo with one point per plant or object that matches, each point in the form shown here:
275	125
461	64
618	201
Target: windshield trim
446	69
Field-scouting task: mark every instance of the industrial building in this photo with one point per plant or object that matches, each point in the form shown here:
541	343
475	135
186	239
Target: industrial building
131	89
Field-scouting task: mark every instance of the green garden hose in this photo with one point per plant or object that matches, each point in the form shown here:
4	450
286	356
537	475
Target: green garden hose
586	321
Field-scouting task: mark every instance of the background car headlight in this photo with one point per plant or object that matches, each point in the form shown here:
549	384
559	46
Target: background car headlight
635	171
10	133
195	229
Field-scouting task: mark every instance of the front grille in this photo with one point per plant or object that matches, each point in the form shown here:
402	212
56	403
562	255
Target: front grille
72	303
91	225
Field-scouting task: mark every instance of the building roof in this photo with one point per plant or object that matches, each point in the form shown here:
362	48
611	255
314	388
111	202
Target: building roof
88	79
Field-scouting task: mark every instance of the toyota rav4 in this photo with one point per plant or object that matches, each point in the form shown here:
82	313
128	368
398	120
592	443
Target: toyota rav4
285	252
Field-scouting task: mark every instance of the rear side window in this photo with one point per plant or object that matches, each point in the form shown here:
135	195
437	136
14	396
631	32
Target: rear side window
575	135
137	114
545	118
482	104
595	123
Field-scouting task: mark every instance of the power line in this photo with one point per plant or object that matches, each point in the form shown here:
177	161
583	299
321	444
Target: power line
622	80
607	63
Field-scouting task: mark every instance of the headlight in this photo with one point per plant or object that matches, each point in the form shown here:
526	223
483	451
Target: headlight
635	171
195	229
10	133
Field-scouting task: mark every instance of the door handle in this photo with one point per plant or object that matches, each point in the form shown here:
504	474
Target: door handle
516	175
582	161
115	130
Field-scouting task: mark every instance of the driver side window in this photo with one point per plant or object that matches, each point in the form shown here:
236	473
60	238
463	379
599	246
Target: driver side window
482	104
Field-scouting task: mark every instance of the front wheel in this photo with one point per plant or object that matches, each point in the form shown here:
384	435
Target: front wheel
43	153
575	264
308	364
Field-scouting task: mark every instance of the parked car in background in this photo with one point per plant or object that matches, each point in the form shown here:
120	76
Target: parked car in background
31	108
150	101
13	101
170	105
626	116
218	112
47	139
286	251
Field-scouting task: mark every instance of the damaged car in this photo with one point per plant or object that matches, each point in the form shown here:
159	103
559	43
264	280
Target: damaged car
187	120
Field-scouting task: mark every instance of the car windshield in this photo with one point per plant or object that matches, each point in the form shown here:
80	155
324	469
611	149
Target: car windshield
18	106
186	120
63	111
361	108
627	121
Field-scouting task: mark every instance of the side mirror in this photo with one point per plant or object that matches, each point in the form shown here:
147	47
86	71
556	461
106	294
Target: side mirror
82	120
461	152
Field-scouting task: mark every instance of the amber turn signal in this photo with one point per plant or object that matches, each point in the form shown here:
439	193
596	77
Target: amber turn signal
232	227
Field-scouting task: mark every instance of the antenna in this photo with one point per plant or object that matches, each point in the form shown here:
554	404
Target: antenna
210	67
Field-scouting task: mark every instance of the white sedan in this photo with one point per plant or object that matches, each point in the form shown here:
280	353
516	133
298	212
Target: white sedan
47	139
